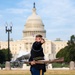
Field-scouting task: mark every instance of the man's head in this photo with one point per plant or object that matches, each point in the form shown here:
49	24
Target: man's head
38	38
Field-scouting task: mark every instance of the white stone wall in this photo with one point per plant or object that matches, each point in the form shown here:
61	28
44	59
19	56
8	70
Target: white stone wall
50	48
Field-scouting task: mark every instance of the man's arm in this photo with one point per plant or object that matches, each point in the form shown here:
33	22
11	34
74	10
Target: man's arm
37	45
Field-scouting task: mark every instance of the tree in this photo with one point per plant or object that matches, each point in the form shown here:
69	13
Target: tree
5	51
68	52
4	55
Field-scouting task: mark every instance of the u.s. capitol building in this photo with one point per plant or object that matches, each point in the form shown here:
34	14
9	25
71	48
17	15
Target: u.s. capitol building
34	26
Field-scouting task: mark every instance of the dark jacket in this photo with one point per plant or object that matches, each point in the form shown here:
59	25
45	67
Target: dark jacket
37	54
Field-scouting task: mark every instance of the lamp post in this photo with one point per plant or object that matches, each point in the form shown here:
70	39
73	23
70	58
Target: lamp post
8	29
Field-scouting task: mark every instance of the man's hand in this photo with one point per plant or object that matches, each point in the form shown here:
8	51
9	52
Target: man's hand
42	41
33	62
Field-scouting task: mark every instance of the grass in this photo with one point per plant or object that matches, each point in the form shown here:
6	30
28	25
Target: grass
59	65
26	72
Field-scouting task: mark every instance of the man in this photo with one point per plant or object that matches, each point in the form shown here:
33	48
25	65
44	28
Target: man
37	54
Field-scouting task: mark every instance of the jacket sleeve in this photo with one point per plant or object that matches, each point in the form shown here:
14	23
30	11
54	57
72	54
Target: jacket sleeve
30	59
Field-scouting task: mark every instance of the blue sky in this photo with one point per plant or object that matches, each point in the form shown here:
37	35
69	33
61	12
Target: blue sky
58	17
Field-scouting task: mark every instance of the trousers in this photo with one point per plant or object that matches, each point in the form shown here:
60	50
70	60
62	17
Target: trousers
35	71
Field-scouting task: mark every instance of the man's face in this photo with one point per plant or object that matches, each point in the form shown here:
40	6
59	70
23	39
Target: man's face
38	39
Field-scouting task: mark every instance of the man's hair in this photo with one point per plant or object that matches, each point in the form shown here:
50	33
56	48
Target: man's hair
39	35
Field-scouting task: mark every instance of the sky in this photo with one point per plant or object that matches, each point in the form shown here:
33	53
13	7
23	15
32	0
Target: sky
58	17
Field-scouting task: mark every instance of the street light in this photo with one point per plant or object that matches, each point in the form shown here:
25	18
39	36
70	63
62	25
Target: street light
8	29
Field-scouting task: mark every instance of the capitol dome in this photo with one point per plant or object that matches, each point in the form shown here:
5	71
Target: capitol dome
34	25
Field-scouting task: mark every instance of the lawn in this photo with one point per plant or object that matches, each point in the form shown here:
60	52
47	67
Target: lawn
49	72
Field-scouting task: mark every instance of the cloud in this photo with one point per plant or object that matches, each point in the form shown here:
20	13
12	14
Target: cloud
16	10
64	34
58	11
0	27
58	16
61	30
1	16
24	3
